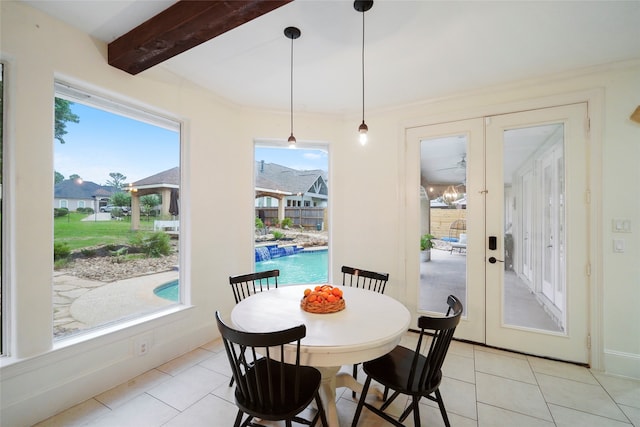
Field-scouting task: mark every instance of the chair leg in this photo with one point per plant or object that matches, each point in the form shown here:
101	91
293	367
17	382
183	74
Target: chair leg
363	396
442	410
231	382
416	411
355	377
238	419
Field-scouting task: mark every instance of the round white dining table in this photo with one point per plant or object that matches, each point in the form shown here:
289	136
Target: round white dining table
370	326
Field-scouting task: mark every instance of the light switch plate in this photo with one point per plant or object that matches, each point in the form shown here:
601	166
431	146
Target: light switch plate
621	226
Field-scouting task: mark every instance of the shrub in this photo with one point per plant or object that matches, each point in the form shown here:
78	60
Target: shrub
59	212
259	224
278	235
286	223
89	253
61	251
153	245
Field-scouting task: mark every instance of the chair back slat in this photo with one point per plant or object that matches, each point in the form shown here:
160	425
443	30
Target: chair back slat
245	285
358	278
438	331
262	382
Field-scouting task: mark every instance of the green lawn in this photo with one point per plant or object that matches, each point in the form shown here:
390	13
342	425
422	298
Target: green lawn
79	234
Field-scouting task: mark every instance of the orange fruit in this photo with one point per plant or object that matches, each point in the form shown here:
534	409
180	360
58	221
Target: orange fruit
332	298
337	292
317	288
307	292
312	298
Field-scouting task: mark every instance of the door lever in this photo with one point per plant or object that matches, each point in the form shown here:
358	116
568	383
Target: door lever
493	260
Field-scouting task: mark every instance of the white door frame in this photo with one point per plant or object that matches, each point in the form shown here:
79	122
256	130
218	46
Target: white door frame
409	206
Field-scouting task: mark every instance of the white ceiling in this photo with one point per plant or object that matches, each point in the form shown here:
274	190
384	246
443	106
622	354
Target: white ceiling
414	50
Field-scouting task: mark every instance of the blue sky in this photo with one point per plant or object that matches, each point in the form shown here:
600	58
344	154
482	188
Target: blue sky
104	142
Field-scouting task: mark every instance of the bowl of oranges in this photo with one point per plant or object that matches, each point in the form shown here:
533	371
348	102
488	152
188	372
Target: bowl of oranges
322	299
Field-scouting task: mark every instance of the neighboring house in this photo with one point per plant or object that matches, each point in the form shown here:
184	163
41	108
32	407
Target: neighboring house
73	194
297	188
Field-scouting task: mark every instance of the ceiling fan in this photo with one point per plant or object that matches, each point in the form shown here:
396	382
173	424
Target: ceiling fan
461	164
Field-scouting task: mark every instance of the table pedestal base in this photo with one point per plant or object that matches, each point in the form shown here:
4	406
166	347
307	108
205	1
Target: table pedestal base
332	380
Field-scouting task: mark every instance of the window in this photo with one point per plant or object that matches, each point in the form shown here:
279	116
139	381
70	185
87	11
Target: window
3	309
295	234
117	173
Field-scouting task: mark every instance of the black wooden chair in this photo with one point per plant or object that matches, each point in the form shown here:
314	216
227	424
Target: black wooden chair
359	278
370	280
245	285
267	387
409	372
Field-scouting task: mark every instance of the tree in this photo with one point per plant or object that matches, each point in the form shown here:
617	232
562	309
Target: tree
149	202
120	199
75	176
57	177
63	115
117	180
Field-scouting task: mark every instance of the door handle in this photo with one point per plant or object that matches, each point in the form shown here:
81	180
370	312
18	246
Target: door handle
493	260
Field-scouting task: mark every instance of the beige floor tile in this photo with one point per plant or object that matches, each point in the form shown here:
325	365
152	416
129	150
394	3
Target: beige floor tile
513	395
461	348
132	388
459	367
623	390
188	387
185	361
142	411
215	346
459	398
430	416
218	363
490	416
504	366
567	417
477	348
207	412
632	413
78	415
562	370
580	396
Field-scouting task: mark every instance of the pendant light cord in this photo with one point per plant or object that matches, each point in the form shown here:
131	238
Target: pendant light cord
363	66
291	86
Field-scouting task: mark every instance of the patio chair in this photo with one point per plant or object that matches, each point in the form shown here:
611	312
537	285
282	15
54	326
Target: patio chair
409	372
269	388
370	280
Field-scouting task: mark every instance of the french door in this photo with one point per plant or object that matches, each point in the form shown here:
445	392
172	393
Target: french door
522	188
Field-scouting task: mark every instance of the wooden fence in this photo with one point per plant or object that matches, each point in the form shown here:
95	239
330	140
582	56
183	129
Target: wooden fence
306	217
441	220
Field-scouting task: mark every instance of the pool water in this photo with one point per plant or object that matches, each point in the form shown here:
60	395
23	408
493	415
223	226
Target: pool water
170	291
303	267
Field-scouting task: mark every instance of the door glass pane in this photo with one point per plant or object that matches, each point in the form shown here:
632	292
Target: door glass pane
443	219
534	232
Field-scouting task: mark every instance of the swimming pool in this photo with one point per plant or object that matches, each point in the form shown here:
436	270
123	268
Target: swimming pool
303	267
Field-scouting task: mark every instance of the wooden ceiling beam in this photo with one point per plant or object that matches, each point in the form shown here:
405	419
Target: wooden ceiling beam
182	26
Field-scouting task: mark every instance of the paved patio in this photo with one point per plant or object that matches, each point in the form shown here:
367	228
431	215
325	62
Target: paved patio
80	304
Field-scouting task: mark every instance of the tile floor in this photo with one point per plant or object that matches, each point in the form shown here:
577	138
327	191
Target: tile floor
482	387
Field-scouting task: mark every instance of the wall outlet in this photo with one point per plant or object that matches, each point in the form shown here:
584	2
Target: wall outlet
142	344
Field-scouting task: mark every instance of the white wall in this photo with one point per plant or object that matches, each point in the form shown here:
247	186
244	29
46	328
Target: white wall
38	379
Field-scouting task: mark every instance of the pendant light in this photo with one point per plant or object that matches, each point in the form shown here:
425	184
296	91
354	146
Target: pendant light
363	6
292	33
